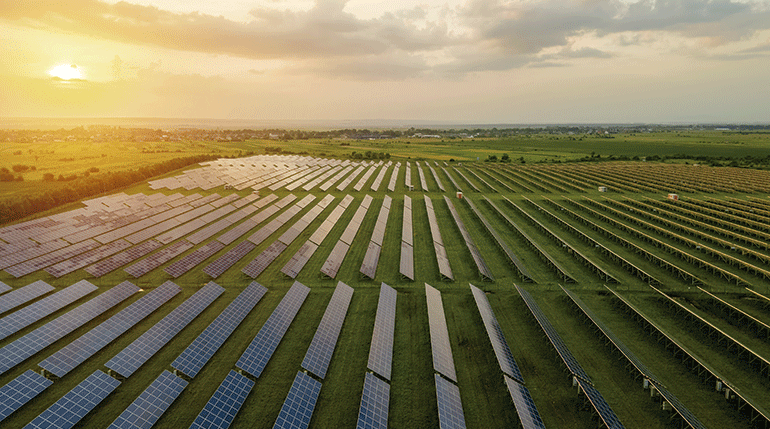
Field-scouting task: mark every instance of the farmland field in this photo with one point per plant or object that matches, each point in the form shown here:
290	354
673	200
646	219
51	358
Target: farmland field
683	284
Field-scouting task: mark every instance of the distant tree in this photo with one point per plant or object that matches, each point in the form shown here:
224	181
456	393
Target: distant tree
48	177
505	158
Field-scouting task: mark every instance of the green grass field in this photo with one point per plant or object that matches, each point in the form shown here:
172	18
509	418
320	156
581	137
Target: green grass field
486	401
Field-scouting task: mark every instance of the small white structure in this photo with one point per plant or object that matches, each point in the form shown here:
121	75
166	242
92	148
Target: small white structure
459	195
602	189
673	196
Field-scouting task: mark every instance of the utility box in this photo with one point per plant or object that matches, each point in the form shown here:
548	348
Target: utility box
459	195
602	189
673	196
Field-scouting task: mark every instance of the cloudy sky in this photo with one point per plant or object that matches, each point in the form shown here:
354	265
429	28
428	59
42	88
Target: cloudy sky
470	61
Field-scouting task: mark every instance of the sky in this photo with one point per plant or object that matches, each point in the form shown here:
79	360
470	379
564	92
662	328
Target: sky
465	61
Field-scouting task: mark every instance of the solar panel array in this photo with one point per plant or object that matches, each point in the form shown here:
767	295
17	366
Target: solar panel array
360	185
373	413
220	410
195	356
421	173
4	288
76	352
393	178
484	271
261	262
381	175
87	258
25	294
438	244
451	179
406	265
75	404
258	353
408	176
525	406
42	337
157	259
381	349
241	229
344	184
319	354
439	335
450	407
152	403
114	262
466	179
369	265
51	258
224	262
328	184
143	348
298	407
435	176
496	336
187	263
30	314
21	390
333	263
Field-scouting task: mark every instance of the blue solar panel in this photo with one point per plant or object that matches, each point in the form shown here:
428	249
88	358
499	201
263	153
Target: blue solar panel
144	347
208	342
596	399
525	406
42	337
76	352
381	349
73	406
298	407
225	403
258	353
22	295
4	288
450	407
151	404
439	334
373	413
495	332
199	255
30	314
21	390
319	354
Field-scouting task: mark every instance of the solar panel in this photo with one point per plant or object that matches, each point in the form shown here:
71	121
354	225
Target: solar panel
298	407
406	264
450	407
21	390
495	332
381	349
258	353
484	270
152	403
144	347
195	356
319	354
76	352
373	413
157	259
333	263
225	403
4	288
22	295
597	401
525	406
88	258
42	337
54	257
439	334
224	262
187	263
30	314
264	259
114	262
75	404
298	261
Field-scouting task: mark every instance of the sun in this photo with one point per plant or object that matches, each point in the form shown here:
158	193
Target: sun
66	72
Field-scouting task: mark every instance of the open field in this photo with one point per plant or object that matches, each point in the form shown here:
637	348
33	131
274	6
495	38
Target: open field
714	237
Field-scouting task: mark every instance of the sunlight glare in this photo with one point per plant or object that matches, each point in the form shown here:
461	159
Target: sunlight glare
66	72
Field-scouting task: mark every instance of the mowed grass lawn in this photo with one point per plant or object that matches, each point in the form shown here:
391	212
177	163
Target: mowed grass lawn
486	401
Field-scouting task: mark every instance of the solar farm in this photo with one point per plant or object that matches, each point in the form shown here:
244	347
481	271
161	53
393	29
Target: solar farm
294	291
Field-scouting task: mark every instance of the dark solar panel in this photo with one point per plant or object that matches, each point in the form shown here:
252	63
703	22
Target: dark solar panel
157	259
333	263
258	353
298	261
450	407
75	404
21	390
298	407
406	265
187	263
22	295
85	259
238	231
151	404
439	334
381	349
525	406
375	398
138	352
30	314
42	337
319	354
484	270
264	259
224	262
220	410
597	401
116	261
195	356
76	352
371	258
495	332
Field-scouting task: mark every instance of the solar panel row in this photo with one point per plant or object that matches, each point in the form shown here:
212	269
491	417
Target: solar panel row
76	352
224	262
525	406
381	348
373	412
298	407
435	176
258	353
145	411
607	416
393	178
423	182
381	175
143	348
221	409
87	258
372	257
195	356
481	265
14	256
406	265
21	390
450	407
451	179
496	337
23	295
51	258
187	263
319	354
344	184
328	184
30	314
114	262
438	244
4	288
466	179
333	263
298	261
157	259
440	346
360	185
261	262
42	337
